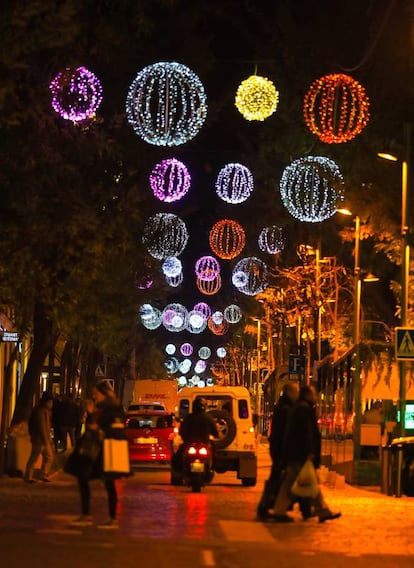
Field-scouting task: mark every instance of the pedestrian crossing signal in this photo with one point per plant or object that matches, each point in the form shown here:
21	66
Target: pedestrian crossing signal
404	343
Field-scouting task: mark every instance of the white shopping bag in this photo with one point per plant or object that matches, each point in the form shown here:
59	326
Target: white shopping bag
116	457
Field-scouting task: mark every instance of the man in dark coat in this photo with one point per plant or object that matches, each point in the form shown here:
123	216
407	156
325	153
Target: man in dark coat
302	442
198	426
39	430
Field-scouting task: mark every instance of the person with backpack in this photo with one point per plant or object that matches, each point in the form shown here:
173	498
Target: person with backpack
40	437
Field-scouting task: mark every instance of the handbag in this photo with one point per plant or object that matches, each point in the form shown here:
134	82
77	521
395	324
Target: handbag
83	460
116	457
89	445
306	482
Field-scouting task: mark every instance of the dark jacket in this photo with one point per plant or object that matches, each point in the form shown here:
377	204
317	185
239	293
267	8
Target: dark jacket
198	428
281	413
110	417
40	424
302	436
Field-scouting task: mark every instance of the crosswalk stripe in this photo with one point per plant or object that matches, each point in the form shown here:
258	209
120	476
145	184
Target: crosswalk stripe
245	531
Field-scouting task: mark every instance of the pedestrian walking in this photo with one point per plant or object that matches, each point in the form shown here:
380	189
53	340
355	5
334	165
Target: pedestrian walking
301	443
40	437
106	420
70	416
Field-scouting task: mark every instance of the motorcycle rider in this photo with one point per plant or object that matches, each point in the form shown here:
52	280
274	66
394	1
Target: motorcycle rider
197	426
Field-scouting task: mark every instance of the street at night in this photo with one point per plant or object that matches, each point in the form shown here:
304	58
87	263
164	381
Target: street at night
163	526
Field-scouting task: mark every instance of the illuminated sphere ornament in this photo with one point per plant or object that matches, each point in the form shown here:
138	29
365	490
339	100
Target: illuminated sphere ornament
203	308
204	352
76	94
165	235
336	108
197	322
174	281
250	276
175	317
209	287
171	364
234	183
166	104
184	366
218	328
271	240
170	349
186	349
257	98
207	268
217	317
232	313
311	188
172	266
151	317
227	239
200	367
221	352
170	180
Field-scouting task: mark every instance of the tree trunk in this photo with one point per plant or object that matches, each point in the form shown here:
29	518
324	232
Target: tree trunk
43	342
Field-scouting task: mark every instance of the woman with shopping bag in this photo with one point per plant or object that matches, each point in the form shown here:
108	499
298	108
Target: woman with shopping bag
107	420
301	456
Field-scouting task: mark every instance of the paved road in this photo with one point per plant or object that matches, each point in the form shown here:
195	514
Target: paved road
169	526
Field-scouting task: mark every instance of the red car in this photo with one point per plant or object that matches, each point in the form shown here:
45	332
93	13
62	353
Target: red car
149	434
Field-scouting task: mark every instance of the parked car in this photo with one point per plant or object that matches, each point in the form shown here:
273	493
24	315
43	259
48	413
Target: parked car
145	405
149	434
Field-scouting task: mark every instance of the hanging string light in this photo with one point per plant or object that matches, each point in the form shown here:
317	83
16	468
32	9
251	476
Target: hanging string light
197	322
217	317
271	240
76	94
311	188
204	352
172	266
151	318
175	317
200	367
207	268
165	235
250	276
170	349
336	108
227	239
186	349
234	183
166	104
221	352
170	180
256	98
203	308
209	287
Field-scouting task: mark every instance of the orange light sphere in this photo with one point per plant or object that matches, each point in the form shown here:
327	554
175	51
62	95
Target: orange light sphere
227	238
209	287
218	328
336	108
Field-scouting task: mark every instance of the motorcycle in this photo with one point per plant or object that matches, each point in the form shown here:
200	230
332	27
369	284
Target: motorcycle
197	466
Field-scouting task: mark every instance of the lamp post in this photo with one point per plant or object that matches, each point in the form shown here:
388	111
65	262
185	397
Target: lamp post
405	264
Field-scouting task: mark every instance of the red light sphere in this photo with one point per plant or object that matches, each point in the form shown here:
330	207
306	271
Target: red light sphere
227	238
336	108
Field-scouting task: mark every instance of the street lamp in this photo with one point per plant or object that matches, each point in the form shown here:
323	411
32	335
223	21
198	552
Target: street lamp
405	264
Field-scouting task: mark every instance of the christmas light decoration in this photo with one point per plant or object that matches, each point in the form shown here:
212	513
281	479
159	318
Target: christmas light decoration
217	317
172	266
256	98
271	240
182	381
165	235
151	318
203	308
227	238
233	313
221	352
336	108
311	188
197	322
76	94
234	183
170	180
174	281
171	365
186	349
166	104
200	367
250	276
207	268
209	287
143	282
170	349
184	366
204	352
175	317
218	328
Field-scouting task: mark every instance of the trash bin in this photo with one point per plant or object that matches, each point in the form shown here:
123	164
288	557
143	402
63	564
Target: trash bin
406	447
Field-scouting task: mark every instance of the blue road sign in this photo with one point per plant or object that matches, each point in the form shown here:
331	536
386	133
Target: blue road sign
404	343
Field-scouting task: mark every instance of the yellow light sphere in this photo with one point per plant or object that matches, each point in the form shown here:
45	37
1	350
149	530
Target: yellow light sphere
256	98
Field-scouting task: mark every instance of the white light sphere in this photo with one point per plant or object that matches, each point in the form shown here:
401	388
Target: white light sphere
172	266
311	188
221	352
204	352
170	349
250	276
166	104
233	313
271	240
165	235
234	183
185	366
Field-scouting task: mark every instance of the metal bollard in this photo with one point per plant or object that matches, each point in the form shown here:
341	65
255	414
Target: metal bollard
386	471
398	465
